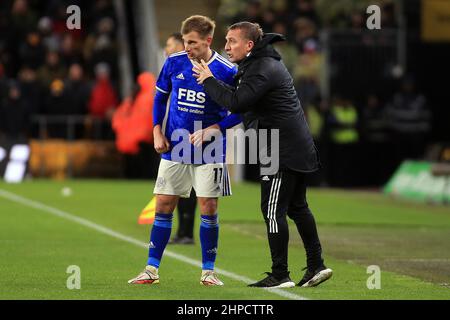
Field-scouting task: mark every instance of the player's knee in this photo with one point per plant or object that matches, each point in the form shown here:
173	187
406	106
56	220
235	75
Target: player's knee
208	206
165	204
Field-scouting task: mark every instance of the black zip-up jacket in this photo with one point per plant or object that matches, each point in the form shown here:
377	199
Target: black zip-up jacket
264	93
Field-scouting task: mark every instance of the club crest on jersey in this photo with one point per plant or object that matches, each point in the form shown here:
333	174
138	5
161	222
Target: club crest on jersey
180	76
161	182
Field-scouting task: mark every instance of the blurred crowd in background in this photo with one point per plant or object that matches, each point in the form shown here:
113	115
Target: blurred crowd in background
46	69
363	129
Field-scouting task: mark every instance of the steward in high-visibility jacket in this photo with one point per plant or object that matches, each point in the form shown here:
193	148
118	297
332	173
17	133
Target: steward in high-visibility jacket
344	121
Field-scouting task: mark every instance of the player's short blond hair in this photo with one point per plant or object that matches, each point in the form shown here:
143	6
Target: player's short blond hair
203	25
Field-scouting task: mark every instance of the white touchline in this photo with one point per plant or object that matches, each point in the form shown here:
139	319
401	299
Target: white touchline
99	228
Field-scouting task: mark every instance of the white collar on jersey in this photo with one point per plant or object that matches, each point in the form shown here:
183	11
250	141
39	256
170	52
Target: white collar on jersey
213	57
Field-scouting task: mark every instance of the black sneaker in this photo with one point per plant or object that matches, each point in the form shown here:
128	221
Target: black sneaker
181	240
315	277
271	282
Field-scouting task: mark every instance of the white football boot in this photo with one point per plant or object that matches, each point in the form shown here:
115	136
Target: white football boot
148	276
209	278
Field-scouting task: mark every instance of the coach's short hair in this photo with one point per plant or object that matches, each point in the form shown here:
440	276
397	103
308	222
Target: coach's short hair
201	24
251	31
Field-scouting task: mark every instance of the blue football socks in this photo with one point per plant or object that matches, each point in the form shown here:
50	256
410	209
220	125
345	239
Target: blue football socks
159	238
209	236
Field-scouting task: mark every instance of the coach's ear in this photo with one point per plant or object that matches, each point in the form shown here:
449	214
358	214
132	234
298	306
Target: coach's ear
209	40
250	45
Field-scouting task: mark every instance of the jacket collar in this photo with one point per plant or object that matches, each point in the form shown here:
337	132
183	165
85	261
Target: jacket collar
264	48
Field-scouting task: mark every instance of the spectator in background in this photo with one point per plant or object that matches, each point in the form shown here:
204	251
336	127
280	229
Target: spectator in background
316	112
388	19
54	105
304	9
14	112
51	70
70	51
268	20
4	28
76	91
30	88
305	34
409	121
344	137
101	46
357	21
103	99
49	40
174	44
102	103
3	81
23	20
54	102
309	64
252	13
32	51
287	51
101	9
133	124
375	141
58	14
308	68
32	93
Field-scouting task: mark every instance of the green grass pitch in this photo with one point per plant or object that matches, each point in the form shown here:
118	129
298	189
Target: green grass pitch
43	232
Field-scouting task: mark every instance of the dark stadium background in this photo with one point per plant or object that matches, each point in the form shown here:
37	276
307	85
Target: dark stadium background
70	120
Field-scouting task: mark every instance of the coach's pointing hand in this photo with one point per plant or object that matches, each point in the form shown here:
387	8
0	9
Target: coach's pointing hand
202	71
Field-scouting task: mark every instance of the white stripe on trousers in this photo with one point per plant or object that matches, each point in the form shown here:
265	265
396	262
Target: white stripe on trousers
274	213
272	205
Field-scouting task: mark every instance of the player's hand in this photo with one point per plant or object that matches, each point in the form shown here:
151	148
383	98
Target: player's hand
199	136
201	71
161	143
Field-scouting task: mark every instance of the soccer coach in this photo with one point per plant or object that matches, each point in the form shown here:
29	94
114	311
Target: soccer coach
265	95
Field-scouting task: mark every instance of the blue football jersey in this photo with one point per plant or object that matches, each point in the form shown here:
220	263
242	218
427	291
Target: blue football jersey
188	101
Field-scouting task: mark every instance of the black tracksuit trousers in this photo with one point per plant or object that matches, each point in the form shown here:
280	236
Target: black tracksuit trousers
186	215
284	194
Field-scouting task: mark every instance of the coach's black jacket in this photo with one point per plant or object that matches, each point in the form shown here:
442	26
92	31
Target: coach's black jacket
264	93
